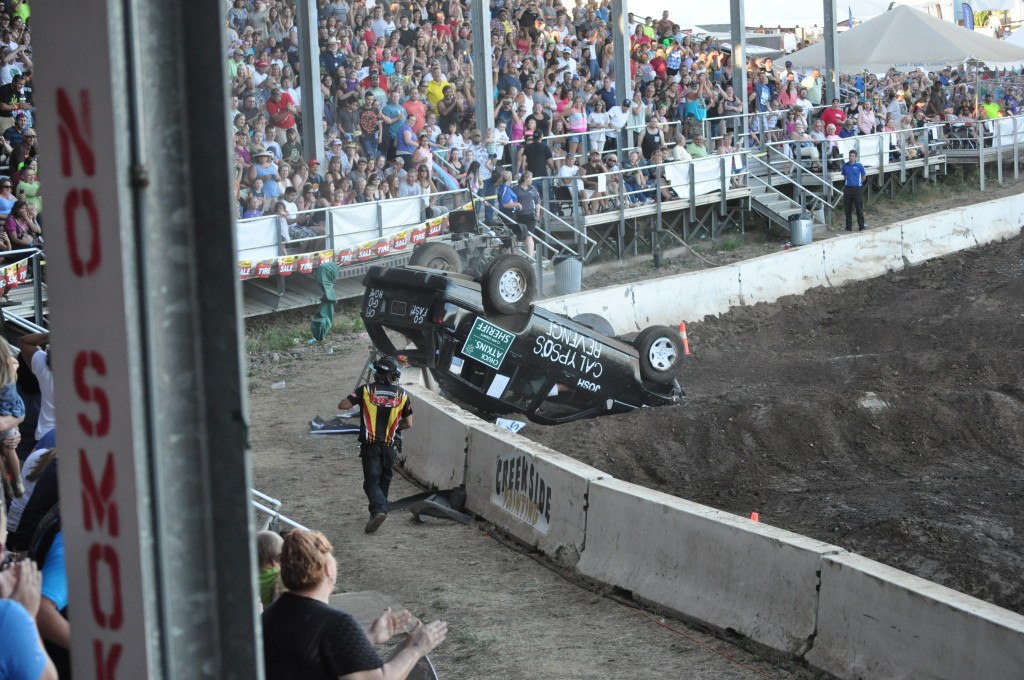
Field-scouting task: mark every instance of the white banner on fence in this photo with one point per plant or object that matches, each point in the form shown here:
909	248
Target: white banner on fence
707	175
354	224
257	238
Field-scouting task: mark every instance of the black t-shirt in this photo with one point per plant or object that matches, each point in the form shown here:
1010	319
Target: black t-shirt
537	155
543	123
305	639
528	20
9	95
407	36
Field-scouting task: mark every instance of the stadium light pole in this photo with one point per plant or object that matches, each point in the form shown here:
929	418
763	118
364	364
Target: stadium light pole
309	72
831	53
483	68
738	26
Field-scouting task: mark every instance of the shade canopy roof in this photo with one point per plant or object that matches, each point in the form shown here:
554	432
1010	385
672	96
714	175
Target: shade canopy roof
907	38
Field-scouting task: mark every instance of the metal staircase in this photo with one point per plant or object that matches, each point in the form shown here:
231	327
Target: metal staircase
777	196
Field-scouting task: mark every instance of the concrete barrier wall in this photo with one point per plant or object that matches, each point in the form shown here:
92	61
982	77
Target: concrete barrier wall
536	494
854	257
878	622
719	569
435	452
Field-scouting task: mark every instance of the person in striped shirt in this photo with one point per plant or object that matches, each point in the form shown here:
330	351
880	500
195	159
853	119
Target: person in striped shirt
385	408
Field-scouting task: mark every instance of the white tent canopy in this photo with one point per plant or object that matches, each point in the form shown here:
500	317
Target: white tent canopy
907	38
767	13
1017	38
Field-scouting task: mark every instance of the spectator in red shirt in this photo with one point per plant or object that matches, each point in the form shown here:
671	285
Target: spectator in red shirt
375	79
833	115
441	28
416	106
281	110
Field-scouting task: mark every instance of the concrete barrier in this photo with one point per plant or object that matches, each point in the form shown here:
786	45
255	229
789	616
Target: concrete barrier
791	272
694	295
435	452
925	240
995	220
878	622
632	307
685	297
863	255
536	494
716	568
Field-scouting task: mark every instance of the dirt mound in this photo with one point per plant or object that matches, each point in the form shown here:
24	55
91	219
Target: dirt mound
886	417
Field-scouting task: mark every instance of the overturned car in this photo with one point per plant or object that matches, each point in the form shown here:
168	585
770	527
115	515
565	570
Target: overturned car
546	366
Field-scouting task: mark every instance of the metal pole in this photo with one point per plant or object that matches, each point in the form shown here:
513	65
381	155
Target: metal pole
623	203
483	73
739	64
309	73
831	52
620	40
155	496
37	289
656	227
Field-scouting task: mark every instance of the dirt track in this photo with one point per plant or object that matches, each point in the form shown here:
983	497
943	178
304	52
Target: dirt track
886	417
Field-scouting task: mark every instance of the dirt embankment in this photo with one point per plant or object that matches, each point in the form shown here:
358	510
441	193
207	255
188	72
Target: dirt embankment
886	417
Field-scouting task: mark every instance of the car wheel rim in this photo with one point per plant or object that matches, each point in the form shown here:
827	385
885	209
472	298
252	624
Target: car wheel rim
512	286
442	264
662	354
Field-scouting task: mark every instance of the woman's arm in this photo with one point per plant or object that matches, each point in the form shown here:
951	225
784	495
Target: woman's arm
422	641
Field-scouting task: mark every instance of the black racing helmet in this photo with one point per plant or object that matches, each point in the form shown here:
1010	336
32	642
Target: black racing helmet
387	369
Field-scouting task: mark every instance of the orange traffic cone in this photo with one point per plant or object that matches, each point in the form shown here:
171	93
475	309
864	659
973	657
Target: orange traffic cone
682	336
755	517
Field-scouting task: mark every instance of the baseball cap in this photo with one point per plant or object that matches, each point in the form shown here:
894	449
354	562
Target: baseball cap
260	63
627	101
789	64
314	162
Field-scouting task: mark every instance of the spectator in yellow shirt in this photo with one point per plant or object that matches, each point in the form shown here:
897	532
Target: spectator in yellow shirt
435	88
991	108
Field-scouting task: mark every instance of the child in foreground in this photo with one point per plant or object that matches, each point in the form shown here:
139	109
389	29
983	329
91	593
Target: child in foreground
268	553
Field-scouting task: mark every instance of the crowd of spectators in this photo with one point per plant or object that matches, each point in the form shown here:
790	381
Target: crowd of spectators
398	91
21	202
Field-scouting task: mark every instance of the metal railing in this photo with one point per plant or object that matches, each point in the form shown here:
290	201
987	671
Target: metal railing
273	513
34	278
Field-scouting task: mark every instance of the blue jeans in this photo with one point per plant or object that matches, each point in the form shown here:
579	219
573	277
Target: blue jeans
370	147
378	469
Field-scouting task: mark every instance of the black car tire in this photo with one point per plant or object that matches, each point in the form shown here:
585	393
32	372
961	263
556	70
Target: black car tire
661	354
595	322
509	284
436	256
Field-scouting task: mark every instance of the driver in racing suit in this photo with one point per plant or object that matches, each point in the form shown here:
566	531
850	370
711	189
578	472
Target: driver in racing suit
385	408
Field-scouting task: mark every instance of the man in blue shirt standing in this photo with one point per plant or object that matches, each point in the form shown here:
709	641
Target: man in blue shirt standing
853	196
